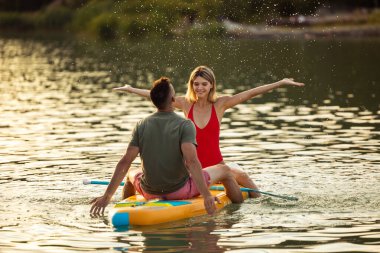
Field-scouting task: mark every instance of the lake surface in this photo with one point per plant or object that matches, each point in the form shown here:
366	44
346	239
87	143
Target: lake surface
61	122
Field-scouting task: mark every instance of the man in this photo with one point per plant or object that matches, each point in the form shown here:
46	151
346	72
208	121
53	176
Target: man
170	166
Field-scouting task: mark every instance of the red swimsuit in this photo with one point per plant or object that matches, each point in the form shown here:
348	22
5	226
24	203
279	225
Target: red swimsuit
208	140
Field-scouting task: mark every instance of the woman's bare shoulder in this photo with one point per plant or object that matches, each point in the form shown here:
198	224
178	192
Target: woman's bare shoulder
221	100
181	100
182	103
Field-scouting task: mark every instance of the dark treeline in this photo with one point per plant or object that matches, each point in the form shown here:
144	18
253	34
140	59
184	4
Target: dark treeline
110	19
286	7
34	5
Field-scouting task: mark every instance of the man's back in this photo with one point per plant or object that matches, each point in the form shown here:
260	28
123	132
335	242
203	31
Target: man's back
159	139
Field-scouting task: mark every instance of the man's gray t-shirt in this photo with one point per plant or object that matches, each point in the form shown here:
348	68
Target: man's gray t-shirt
159	138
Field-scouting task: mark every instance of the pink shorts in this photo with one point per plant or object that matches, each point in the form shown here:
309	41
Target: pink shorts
187	191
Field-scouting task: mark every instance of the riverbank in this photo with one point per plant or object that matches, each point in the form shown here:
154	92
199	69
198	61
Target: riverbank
265	31
235	30
129	20
325	24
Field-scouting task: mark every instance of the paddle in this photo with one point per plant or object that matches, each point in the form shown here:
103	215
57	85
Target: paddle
243	189
214	187
88	181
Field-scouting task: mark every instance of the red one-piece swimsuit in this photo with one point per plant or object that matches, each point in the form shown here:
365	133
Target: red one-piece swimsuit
208	150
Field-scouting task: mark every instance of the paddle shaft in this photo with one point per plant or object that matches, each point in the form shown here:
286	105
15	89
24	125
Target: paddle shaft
101	182
243	189
214	187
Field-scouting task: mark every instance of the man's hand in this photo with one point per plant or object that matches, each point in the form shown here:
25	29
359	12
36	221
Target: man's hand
209	203
290	81
99	205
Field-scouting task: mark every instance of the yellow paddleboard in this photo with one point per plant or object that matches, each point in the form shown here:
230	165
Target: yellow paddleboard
136	210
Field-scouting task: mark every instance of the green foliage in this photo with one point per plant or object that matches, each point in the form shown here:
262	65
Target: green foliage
238	11
110	19
23	5
148	17
207	30
140	26
75	3
134	28
374	18
295	7
52	18
55	17
84	16
12	20
105	26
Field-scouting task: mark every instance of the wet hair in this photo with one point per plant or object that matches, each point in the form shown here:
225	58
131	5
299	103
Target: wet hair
206	73
159	94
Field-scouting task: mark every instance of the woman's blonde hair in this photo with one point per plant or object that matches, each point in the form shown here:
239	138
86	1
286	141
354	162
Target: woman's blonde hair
207	74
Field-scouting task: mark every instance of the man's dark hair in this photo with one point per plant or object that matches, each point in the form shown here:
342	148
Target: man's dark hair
159	94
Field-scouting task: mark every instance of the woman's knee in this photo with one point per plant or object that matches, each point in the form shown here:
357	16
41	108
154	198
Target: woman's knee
227	173
219	173
225	168
240	174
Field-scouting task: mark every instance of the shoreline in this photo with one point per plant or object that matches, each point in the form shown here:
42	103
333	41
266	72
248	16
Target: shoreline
236	31
280	32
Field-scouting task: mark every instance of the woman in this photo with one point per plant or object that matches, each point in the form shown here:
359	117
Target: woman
206	110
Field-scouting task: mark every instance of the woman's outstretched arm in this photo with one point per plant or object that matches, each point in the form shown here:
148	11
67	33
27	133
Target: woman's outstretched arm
230	101
179	103
137	91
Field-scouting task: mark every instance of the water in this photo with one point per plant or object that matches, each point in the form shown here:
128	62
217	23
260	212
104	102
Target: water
61	123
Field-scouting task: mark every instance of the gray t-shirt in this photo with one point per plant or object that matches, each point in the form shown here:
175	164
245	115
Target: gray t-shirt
159	138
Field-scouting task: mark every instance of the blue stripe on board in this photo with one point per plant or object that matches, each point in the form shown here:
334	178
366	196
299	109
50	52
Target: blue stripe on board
173	202
120	219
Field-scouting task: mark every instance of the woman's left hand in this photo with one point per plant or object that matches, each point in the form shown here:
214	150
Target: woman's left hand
290	81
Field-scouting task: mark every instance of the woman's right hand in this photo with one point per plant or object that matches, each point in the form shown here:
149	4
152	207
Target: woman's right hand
126	88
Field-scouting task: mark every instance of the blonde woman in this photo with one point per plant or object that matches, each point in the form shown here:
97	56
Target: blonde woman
202	106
